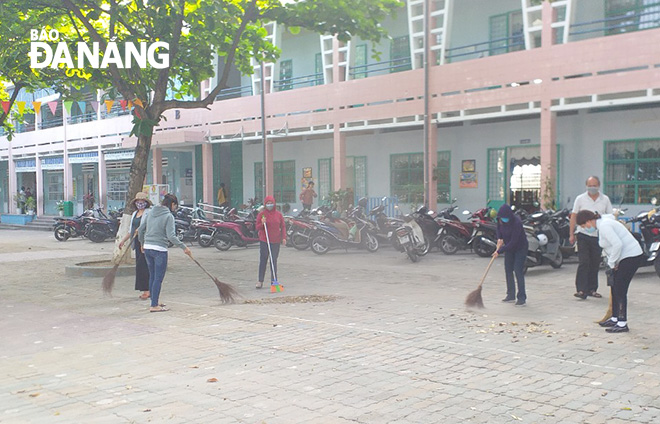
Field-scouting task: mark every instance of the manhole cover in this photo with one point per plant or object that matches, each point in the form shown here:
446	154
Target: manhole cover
293	299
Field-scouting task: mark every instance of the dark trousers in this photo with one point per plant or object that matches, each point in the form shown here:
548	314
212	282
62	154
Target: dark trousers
141	269
263	259
514	263
157	263
586	279
307	207
622	277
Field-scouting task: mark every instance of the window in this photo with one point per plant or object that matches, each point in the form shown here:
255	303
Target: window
631	15
443	177
632	170
407	177
118	179
286	73
318	69
360	69
496	177
325	178
400	54
284	175
506	33
356	175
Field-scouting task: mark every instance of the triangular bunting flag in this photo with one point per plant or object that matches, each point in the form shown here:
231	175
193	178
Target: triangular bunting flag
123	103
137	113
36	106
108	104
5	107
138	102
95	105
67	106
82	106
21	107
52	106
130	105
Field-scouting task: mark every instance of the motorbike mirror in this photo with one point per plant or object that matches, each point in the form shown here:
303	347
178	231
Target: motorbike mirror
466	212
654	201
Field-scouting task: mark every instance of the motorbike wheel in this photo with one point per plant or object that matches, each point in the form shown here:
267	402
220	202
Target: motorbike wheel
61	234
448	244
557	264
320	245
483	250
97	236
411	254
299	242
422	251
222	242
372	243
205	240
180	233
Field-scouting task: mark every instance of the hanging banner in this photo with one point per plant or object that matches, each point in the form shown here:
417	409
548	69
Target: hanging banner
5	107
130	105
82	107
138	102
36	106
67	105
123	103
52	106
21	107
25	165
52	163
95	105
120	155
108	104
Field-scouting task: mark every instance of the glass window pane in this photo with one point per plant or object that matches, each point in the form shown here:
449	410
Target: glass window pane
621	150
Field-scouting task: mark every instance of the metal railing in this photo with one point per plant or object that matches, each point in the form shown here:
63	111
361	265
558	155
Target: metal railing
51	123
297	82
380	68
646	17
77	119
234	92
486	48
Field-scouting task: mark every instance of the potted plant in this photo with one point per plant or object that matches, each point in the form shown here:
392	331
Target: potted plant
30	205
59	205
19	199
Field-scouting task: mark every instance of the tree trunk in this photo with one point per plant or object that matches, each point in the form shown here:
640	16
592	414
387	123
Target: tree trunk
135	183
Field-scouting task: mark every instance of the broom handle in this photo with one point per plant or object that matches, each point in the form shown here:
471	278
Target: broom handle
200	265
487	269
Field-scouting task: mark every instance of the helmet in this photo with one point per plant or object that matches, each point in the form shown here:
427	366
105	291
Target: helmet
492	213
335	215
543	239
363	202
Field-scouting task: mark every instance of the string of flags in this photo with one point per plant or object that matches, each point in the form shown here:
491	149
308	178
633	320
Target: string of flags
68	104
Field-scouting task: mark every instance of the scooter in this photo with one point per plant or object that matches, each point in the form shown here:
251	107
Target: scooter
327	237
100	229
484	231
543	240
66	228
411	237
239	232
649	237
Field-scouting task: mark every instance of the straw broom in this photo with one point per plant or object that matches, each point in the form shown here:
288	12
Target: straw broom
226	291
474	298
109	279
610	283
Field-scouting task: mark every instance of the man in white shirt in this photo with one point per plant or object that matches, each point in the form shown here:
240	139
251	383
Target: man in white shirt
586	279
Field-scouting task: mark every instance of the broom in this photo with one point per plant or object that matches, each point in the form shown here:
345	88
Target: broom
275	286
226	291
610	283
109	279
474	299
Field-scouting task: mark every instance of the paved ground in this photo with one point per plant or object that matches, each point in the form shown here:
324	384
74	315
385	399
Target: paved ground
392	343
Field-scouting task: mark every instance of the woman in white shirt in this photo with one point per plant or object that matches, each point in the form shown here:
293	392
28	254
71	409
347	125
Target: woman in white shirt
624	256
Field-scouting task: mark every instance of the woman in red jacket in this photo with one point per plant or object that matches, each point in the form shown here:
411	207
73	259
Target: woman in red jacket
274	221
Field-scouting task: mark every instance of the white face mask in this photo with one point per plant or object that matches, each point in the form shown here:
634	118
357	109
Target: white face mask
592	190
141	204
270	206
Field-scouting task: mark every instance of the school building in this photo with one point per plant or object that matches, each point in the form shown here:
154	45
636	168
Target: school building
518	94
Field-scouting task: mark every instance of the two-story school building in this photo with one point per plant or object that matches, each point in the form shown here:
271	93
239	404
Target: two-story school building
516	92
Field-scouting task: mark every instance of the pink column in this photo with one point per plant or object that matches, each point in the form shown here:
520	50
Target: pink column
432	162
13	183
157	165
39	185
339	160
548	125
207	174
103	185
270	184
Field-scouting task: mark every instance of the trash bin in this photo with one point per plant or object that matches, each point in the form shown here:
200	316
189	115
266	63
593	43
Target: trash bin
68	208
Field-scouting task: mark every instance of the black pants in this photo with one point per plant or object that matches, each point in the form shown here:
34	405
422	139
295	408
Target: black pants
622	277
307	207
141	269
514	263
589	251
263	259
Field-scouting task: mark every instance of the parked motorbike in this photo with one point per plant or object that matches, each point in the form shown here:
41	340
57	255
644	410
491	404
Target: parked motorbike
416	234
236	231
66	228
189	223
300	229
327	237
543	240
561	221
483	240
649	237
100	229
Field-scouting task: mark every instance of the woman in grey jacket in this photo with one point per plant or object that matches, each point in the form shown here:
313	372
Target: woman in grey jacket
154	234
624	256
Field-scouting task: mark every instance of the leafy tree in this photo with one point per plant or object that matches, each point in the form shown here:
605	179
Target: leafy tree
195	30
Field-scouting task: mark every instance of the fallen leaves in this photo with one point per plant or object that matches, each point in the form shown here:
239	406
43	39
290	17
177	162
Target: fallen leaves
212	380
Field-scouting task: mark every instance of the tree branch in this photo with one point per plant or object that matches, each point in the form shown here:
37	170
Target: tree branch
17	87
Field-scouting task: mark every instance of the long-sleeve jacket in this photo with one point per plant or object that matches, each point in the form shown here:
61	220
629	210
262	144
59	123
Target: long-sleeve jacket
157	228
512	232
616	240
274	222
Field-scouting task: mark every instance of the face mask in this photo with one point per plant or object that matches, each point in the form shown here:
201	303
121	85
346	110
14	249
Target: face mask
592	190
505	220
141	204
270	206
590	230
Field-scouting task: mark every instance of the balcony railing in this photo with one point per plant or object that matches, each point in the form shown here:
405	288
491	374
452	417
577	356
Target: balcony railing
51	123
380	68
77	119
234	92
297	82
485	48
645	17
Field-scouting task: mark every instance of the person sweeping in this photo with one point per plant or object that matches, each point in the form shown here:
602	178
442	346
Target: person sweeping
512	241
271	220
